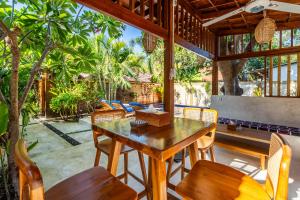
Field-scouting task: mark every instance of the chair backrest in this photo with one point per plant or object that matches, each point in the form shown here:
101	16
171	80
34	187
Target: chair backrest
278	168
30	180
102	116
202	114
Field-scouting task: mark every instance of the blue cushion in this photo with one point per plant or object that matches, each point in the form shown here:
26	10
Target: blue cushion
127	108
137	104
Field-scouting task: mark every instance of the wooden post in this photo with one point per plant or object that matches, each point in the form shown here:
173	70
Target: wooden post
271	77
288	84
169	63
215	78
279	77
42	93
265	76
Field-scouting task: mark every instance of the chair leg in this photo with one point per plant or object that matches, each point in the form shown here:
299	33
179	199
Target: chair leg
212	154
183	163
263	162
125	168
202	154
144	174
149	175
97	158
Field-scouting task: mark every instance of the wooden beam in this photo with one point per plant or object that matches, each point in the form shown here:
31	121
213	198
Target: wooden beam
169	63
125	15
182	42
251	28
273	52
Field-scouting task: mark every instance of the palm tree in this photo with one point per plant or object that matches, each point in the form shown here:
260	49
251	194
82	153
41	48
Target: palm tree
114	62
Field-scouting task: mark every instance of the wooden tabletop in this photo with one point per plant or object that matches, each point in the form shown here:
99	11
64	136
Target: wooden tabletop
245	133
157	142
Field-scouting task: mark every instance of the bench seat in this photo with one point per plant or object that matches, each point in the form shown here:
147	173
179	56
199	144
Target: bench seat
245	145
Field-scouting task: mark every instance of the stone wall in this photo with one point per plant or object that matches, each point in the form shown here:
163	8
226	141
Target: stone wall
273	110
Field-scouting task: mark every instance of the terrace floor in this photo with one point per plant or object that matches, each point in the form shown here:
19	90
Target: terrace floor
67	148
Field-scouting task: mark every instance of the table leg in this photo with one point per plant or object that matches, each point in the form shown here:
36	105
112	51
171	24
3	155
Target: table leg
194	153
159	179
113	158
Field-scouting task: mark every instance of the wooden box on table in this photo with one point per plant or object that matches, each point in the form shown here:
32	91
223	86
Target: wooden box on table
157	119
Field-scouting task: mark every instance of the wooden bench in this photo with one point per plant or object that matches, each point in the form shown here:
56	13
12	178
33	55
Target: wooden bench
247	141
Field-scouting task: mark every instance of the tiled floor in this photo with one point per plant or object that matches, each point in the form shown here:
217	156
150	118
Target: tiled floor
58	159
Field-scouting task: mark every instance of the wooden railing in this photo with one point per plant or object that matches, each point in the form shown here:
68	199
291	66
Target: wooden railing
189	27
151	16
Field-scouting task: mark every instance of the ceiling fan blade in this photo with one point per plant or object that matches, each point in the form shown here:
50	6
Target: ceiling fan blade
284	7
230	14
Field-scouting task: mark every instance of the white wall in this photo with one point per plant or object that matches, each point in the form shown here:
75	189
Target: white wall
279	111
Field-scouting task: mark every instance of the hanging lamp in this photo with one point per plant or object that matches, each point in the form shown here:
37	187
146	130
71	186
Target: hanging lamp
149	42
265	30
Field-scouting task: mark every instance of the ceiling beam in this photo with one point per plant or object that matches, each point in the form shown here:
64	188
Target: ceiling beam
274	52
236	31
193	47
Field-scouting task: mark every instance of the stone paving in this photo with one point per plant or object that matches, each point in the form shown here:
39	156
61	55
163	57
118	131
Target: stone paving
67	148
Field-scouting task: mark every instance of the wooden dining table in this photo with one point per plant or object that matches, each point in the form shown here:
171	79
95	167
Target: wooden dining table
159	143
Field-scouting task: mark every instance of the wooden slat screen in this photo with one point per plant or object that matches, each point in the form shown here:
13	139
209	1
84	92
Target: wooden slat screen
288	76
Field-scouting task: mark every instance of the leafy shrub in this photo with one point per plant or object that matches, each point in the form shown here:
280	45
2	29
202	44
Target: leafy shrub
66	99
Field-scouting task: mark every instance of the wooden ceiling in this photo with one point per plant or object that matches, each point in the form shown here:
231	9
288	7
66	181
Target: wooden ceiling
241	23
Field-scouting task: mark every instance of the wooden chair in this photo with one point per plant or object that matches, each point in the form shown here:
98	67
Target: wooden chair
104	146
208	180
94	183
205	143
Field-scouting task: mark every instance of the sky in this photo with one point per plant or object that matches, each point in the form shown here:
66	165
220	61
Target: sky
131	33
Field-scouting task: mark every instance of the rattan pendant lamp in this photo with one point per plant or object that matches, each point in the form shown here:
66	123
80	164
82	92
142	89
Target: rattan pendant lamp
265	30
149	42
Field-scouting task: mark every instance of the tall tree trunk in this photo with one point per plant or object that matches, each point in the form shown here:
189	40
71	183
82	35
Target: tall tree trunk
230	69
13	126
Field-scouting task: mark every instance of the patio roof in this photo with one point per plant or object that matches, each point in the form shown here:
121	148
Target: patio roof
182	21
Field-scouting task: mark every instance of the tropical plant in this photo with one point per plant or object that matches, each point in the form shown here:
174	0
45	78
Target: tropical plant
115	58
30	30
189	66
4	147
65	100
257	92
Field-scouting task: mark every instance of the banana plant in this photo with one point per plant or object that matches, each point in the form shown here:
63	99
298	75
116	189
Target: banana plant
4	145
